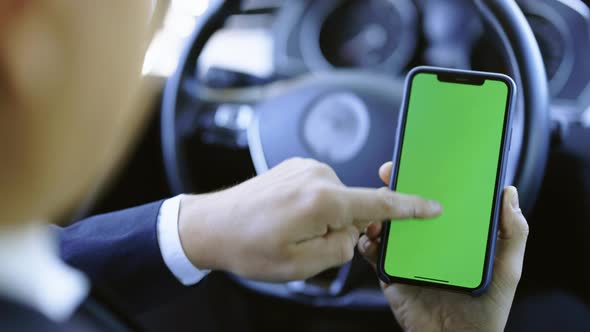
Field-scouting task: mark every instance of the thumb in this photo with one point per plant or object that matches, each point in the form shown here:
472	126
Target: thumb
512	236
385	172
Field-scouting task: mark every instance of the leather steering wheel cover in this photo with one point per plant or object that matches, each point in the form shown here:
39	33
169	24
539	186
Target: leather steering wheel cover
534	90
175	163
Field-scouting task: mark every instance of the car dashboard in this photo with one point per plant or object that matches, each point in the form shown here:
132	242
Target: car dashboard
391	36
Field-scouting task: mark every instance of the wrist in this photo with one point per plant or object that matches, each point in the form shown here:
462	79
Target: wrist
197	231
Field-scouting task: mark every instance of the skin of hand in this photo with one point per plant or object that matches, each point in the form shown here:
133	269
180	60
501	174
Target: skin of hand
429	309
289	223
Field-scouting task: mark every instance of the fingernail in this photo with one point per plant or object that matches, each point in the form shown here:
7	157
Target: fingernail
366	245
514	202
435	207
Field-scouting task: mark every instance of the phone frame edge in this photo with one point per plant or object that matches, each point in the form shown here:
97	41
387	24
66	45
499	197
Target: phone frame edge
500	181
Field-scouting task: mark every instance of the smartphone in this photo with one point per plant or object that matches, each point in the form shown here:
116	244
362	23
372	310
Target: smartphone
452	146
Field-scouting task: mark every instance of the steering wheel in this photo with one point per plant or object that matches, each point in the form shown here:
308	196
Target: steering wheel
345	118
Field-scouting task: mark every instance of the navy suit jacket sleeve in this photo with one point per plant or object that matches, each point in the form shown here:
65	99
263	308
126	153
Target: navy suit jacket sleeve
119	251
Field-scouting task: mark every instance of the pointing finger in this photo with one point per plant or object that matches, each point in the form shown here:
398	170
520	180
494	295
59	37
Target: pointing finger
383	204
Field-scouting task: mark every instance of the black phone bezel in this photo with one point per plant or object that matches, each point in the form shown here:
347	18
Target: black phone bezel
457	77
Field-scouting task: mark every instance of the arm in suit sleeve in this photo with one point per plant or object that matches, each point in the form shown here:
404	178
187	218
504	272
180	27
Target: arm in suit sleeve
120	251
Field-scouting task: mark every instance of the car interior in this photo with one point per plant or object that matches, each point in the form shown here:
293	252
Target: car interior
240	86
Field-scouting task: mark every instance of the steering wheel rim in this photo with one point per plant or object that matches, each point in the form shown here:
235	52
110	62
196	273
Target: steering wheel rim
525	66
525	55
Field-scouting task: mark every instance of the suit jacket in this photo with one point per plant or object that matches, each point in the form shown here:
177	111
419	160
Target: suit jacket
119	252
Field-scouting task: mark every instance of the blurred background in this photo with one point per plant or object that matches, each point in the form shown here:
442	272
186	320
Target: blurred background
273	41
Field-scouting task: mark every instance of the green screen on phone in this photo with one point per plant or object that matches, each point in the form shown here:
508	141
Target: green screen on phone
450	152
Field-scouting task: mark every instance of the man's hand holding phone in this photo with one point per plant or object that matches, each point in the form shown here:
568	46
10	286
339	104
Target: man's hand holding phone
428	309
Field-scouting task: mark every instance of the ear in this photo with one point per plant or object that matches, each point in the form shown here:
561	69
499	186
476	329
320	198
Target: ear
10	12
13	121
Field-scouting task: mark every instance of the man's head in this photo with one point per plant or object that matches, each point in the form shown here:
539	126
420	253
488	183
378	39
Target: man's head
69	77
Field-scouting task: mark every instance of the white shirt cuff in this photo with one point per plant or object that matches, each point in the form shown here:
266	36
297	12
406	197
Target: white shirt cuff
171	247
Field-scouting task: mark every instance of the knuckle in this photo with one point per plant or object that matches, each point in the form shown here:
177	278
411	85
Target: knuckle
296	160
321	193
301	163
310	163
410	206
315	170
415	205
515	276
511	272
414	208
387	200
322	170
524	229
317	198
291	162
